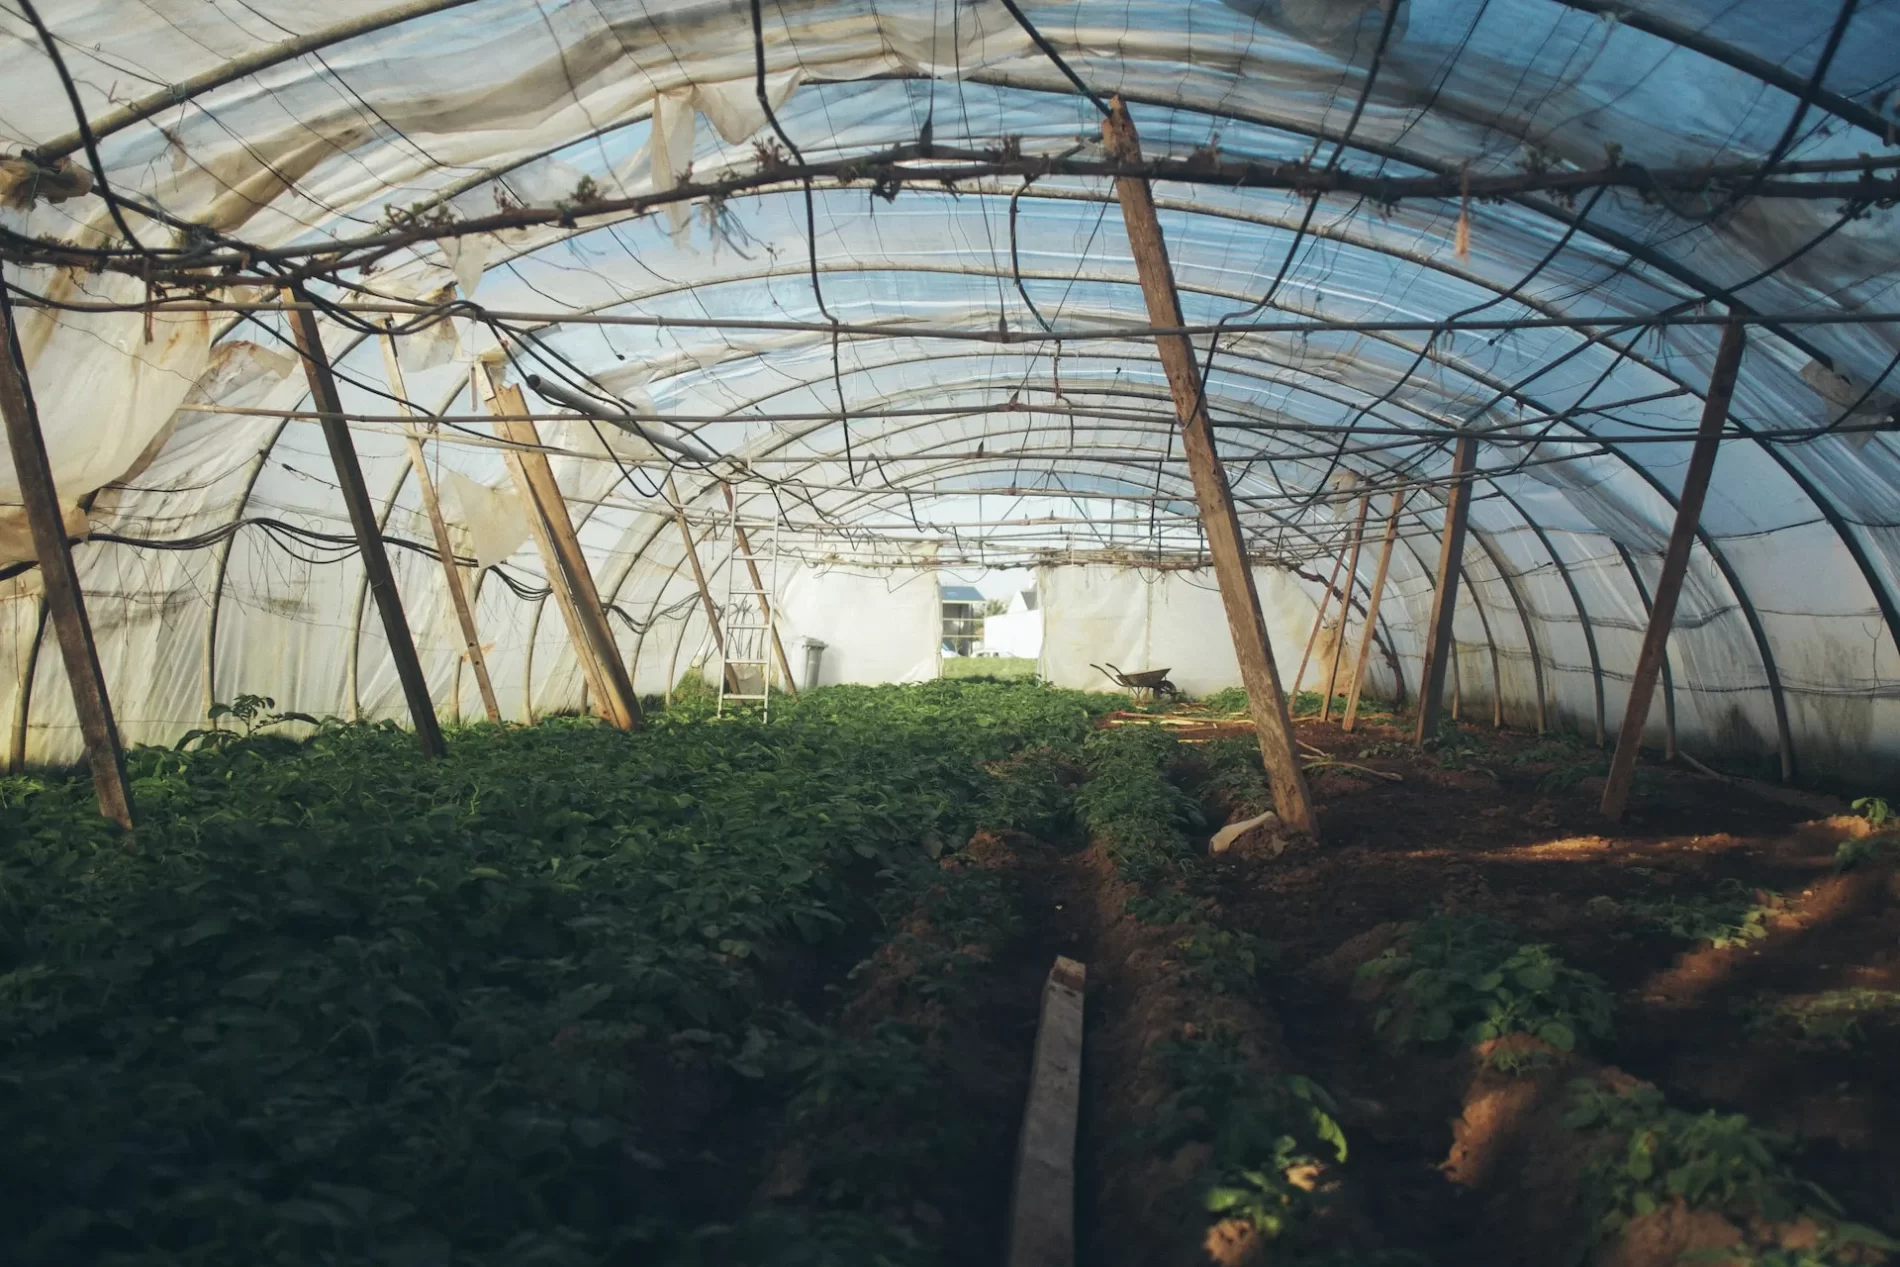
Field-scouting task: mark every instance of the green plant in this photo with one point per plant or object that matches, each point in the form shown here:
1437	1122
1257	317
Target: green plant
1875	810
1232	699
1836	1019
347	1004
1462	977
1647	1154
1868	849
1131	805
1733	916
252	712
1270	1138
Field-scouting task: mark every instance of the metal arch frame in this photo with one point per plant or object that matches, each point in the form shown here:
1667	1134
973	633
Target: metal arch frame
1750	616
1877	585
1826	509
1684	37
1388	644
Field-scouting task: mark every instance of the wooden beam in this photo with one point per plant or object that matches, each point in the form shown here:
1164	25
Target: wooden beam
1445	597
444	544
64	601
1372	613
1662	608
1319	620
1042	1206
369	535
561	555
765	601
699	579
1225	540
1345	608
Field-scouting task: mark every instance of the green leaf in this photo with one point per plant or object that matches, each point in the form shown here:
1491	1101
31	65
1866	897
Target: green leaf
1558	1035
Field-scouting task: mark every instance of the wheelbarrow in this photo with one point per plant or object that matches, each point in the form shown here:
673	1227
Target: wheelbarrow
1153	681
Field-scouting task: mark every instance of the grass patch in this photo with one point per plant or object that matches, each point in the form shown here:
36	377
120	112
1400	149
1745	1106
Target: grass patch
992	668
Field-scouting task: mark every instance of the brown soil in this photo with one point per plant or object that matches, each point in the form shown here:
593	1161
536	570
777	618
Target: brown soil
1522	842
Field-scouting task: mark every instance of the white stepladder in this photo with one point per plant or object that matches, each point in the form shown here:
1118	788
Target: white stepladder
751	612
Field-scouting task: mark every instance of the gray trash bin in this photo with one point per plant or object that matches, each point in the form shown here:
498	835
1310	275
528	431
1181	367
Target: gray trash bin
814	661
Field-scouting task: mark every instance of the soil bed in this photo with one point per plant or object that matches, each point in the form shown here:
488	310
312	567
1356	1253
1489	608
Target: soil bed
1505	826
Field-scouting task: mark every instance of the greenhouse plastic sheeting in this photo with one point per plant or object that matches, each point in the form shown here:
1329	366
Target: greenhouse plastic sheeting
1139	620
288	125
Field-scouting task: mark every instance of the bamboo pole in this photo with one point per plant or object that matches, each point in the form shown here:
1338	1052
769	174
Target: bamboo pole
765	601
444	545
1662	608
369	537
1372	614
1445	595
64	600
1226	542
566	566
1345	608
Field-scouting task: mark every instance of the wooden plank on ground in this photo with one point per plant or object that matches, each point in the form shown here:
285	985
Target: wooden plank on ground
1042	1210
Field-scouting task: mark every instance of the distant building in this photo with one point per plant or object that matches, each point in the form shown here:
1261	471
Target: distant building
1018	631
962	618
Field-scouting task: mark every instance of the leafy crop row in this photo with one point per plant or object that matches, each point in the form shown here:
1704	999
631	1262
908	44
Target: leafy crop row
341	1004
1463	978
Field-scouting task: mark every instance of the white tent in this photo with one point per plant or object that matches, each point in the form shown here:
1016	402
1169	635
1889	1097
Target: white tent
903	375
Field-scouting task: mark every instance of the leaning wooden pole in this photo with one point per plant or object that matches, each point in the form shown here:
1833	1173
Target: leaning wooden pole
59	578
699	579
1319	619
1438	646
1662	608
369	534
758	586
1372	614
1225	540
1345	608
566	565
444	544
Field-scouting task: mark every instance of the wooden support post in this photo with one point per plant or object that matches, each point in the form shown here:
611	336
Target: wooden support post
1662	610
444	545
1372	614
64	601
566	566
1319	619
699	579
369	536
1225	540
1345	608
1445	598
1042	1207
765	600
